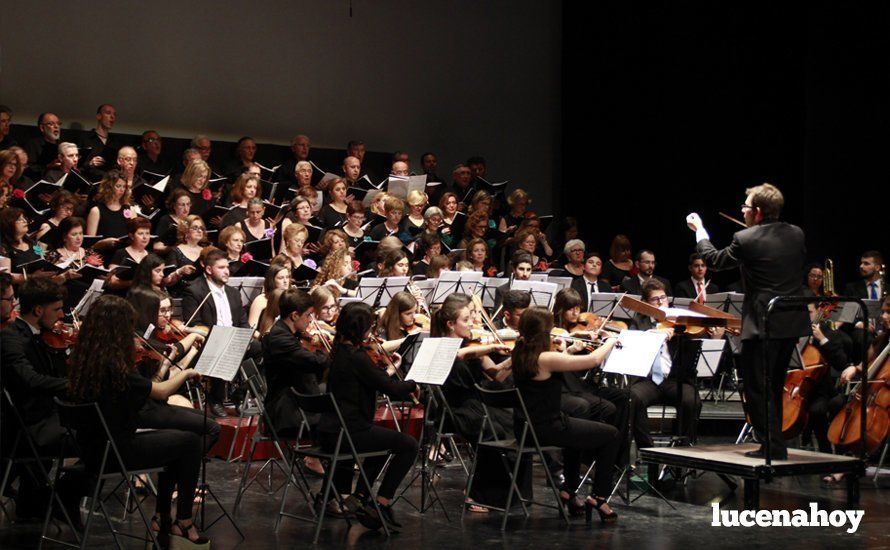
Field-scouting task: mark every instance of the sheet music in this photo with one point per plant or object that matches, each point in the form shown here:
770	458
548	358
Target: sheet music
542	293
489	289
539	277
709	358
636	354
451	282
223	351
433	362
385	287
560	282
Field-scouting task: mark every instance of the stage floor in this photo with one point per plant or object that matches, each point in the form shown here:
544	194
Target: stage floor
647	523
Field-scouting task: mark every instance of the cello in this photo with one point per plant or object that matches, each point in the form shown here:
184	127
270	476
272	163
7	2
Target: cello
845	430
799	386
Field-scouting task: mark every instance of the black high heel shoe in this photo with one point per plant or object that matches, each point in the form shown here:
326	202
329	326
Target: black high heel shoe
596	503
574	507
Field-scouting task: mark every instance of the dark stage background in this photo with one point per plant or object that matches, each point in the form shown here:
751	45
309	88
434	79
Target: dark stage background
669	109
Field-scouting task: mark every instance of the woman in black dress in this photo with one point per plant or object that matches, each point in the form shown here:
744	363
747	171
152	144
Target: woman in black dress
246	188
333	214
102	370
179	204
354	380
538	374
253	225
139	232
191	238
112	207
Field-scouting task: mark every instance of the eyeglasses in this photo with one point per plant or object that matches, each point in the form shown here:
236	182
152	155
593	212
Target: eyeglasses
197	228
151	140
747	207
12	299
576	250
330	309
165	310
657	299
816	276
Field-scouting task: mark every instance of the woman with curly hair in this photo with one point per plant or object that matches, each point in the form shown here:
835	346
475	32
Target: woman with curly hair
337	272
112	207
102	371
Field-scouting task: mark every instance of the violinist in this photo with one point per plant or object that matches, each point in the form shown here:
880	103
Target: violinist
355	380
663	383
288	364
277	278
394	264
581	398
472	366
591	280
180	348
33	377
538	376
696	286
102	372
398	319
514	304
325	303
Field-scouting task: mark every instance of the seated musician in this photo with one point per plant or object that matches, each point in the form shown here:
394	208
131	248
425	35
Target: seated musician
515	302
826	399
355	380
216	303
473	365
539	374
33	376
582	397
102	371
397	320
661	386
520	270
288	364
337	272
591	280
696	286
181	347
813	280
277	277
645	265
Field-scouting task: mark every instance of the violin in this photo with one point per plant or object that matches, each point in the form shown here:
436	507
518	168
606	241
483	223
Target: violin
61	337
373	347
845	430
589	321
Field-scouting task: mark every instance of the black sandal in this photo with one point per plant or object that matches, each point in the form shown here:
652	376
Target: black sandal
183	540
596	503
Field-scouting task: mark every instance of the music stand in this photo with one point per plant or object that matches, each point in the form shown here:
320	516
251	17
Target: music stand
248	288
453	282
220	358
561	282
490	286
602	303
431	367
542	292
378	291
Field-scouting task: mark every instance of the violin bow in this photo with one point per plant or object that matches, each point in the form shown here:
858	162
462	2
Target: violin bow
609	316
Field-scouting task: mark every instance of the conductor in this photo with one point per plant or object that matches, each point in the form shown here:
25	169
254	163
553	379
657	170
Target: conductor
770	255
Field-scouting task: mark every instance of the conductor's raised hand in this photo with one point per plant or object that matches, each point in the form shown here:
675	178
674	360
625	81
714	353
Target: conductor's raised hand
693	221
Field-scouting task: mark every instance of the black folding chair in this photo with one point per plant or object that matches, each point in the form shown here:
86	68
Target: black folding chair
264	433
25	452
111	468
325	403
511	448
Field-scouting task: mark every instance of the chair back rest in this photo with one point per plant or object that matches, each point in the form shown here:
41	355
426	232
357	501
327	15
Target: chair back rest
255	379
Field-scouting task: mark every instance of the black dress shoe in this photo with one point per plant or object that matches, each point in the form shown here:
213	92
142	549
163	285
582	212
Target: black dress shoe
761	453
217	410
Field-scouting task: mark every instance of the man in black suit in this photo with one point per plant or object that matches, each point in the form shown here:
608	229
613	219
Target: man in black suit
645	263
590	283
771	256
870	286
220	304
33	376
696	286
98	148
43	151
663	385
